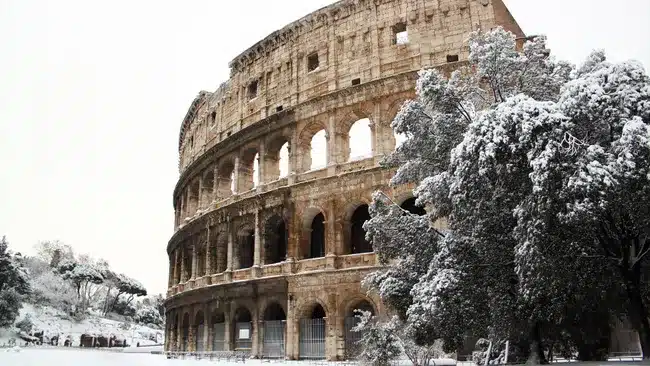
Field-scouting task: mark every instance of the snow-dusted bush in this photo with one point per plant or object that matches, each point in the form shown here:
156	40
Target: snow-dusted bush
379	342
149	316
25	324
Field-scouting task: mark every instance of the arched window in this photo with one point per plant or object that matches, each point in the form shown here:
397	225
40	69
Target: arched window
284	160
409	205
275	239
360	140
248	170
245	247
358	242
208	187
317	243
318	151
225	179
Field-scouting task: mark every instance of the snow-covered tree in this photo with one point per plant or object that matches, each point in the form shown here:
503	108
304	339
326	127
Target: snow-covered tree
13	285
542	173
149	316
84	276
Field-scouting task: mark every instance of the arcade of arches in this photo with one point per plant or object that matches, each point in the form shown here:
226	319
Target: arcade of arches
270	327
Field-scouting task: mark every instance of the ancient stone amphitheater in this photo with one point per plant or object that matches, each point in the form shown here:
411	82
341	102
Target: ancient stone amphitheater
269	258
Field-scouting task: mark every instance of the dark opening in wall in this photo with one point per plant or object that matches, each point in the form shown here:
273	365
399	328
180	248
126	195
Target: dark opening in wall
252	90
213	118
312	62
279	108
356	81
228	134
452	58
400	34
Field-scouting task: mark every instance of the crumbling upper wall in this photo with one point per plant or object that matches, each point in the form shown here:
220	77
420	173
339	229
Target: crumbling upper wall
353	42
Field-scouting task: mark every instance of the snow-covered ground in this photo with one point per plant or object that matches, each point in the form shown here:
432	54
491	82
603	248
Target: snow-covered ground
53	322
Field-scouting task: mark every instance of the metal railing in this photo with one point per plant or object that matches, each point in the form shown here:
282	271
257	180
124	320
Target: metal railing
273	339
312	338
200	336
352	345
219	337
232	356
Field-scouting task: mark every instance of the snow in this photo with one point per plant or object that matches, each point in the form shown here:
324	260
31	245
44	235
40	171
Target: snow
53	322
78	357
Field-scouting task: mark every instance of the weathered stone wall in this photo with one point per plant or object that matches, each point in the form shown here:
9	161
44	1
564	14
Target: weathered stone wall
354	39
242	248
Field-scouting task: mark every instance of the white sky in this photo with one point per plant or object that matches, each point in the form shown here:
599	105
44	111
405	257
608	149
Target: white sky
92	95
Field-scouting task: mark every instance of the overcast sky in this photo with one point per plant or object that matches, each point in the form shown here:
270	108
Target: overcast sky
92	95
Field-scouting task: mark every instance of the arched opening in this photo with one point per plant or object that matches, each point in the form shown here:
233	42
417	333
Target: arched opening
409	205
284	160
248	170
275	240
185	332
243	329
222	252
199	326
225	180
193	198
218	331
358	242
360	140
273	331
318	151
276	164
218	323
245	248
317	239
352	318
208	188
312	334
178	260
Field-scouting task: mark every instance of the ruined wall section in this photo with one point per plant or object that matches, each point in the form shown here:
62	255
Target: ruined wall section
354	42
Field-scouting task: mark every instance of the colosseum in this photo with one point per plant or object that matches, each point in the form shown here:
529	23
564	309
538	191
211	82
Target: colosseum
269	249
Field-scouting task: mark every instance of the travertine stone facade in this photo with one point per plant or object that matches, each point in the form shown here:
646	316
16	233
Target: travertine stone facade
288	252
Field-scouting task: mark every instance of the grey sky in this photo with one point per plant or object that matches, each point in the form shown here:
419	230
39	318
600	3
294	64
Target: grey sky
92	95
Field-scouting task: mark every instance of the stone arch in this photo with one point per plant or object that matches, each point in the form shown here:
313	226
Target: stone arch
305	142
276	162
187	262
306	310
245	248
218	250
218	330
273	312
199	330
248	168
313	233
242	328
356	135
201	255
207	195
276	240
392	138
353	234
360	302
225	176
350	319
408	204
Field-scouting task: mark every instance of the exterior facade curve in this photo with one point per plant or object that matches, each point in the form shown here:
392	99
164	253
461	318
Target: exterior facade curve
271	261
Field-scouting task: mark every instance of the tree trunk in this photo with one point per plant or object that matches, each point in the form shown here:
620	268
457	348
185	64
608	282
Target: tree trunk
537	356
638	311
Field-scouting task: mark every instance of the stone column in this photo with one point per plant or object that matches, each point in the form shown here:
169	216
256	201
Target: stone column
179	333
257	250
206	327
236	175
170	277
208	249
261	165
191	346
199	199
227	335
293	168
172	339
291	341
255	324
215	184
332	153
195	261
182	277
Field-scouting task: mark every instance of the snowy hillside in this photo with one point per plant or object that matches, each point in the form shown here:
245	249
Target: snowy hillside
55	322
